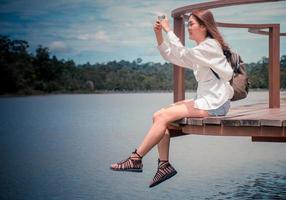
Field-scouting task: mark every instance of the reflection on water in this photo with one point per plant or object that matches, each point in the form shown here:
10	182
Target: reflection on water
60	147
270	185
263	186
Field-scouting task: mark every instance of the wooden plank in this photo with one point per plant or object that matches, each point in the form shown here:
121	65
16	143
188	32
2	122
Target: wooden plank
234	131
248	110
222	131
183	121
271	122
241	122
262	114
180	122
259	117
256	115
265	114
238	111
195	121
246	115
200	130
268	139
266	118
213	120
275	120
270	117
240	114
243	110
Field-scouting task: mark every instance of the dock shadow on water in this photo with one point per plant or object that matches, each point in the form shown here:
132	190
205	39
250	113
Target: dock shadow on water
61	146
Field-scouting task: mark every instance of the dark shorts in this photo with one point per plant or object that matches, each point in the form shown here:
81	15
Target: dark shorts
220	111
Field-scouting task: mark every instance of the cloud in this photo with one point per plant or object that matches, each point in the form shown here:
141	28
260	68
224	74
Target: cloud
252	12
112	28
58	46
100	36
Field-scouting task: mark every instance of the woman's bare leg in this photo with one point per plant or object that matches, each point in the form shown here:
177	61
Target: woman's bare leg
161	120
164	146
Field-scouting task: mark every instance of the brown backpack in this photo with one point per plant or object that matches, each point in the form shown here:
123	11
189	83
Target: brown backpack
239	81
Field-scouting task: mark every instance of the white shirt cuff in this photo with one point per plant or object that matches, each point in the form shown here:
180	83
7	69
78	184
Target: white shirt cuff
172	37
162	47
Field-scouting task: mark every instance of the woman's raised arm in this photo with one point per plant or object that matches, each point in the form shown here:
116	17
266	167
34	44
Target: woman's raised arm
158	32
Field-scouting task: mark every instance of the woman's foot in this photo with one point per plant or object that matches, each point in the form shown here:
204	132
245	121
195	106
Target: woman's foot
131	164
164	172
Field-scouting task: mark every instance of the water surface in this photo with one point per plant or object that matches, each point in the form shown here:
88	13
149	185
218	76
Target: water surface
61	146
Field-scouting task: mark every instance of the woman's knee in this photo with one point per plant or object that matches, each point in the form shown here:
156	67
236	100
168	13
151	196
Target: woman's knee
160	116
155	114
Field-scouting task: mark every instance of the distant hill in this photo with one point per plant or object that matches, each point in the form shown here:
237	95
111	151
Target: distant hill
25	73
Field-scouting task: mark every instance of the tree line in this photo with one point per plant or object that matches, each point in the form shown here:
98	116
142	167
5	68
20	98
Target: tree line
25	73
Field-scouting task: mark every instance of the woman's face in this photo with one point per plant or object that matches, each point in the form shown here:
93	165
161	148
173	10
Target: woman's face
196	31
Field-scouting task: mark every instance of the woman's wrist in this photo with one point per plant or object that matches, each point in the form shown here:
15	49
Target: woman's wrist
167	30
159	37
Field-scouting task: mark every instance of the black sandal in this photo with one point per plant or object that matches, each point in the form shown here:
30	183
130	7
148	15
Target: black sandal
164	172
130	164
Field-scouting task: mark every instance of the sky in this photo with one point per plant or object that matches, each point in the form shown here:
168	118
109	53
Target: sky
98	31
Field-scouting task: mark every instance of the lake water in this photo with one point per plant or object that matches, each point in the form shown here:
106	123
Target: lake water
61	147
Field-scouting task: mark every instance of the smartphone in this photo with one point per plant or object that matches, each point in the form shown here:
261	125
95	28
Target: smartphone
161	17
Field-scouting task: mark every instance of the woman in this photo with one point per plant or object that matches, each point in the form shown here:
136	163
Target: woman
212	71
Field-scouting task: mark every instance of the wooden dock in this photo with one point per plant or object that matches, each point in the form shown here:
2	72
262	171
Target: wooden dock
257	120
262	122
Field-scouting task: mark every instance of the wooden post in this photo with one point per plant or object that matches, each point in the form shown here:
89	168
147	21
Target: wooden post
178	72
274	66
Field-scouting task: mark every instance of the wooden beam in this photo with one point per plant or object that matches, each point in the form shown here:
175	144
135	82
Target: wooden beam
268	139
274	56
214	4
240	25
261	32
178	72
274	66
261	131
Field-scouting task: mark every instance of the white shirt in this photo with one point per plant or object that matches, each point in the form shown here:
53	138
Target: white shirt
211	92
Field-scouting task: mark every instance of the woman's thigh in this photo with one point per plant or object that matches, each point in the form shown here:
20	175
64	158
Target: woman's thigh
181	110
176	103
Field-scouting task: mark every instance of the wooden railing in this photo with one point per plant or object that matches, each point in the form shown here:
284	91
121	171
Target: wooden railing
274	45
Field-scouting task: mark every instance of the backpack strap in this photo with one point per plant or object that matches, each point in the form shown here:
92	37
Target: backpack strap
217	76
235	62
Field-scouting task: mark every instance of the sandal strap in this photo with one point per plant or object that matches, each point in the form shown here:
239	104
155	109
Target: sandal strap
163	172
135	151
163	163
123	161
162	160
136	163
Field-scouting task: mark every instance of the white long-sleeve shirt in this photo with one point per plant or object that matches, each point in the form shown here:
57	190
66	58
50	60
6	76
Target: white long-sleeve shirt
211	92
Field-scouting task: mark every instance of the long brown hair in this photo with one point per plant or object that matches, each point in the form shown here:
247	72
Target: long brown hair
206	18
